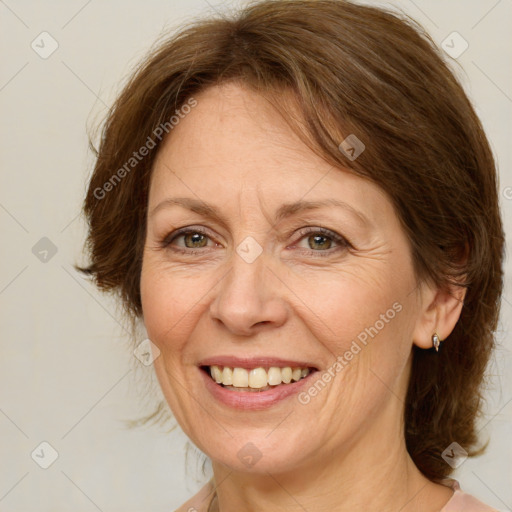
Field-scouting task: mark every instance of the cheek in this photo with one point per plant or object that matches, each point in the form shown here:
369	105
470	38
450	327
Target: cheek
364	321
343	306
170	304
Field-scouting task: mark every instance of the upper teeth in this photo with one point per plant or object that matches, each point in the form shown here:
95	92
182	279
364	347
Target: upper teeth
256	377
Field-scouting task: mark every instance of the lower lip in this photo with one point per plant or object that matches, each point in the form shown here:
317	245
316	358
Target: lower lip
252	400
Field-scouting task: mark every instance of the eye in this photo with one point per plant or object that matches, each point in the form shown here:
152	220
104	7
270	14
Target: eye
321	240
185	240
194	240
318	241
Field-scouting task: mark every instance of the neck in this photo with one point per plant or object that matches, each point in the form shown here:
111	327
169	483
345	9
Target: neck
375	474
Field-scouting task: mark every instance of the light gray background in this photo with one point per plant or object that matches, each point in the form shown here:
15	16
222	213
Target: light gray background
66	371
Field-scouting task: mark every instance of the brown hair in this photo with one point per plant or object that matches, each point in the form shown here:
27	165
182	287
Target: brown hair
351	69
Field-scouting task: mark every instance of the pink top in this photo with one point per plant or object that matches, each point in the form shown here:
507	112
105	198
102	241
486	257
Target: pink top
462	502
459	502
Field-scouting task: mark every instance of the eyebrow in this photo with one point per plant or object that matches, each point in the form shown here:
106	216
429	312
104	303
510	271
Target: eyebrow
286	210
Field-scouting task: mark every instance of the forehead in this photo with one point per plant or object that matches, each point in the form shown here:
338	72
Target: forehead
233	127
235	146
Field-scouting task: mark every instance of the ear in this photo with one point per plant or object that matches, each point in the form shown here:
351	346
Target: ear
440	309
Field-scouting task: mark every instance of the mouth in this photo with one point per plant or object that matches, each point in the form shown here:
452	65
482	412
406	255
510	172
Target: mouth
258	379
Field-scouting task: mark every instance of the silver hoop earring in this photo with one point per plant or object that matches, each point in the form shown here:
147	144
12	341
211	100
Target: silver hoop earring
436	341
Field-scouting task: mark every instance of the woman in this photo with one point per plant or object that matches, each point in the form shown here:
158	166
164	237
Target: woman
300	205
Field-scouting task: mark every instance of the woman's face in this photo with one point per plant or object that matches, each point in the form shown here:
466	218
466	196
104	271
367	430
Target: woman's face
260	254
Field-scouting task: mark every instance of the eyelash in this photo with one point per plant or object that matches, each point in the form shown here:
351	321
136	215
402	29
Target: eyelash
342	242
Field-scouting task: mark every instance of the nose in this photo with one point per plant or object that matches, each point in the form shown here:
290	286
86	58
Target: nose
250	298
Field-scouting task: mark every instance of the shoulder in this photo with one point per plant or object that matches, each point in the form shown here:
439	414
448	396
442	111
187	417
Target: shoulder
464	502
200	501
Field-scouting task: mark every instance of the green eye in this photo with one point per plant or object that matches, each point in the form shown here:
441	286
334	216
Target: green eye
187	239
321	242
193	239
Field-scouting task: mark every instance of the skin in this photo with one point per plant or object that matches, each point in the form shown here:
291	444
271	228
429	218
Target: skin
303	297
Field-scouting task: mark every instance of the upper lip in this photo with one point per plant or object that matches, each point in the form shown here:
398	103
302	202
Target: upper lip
254	362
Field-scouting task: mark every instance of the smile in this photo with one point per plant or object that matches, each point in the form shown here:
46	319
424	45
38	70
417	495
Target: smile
256	382
255	379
